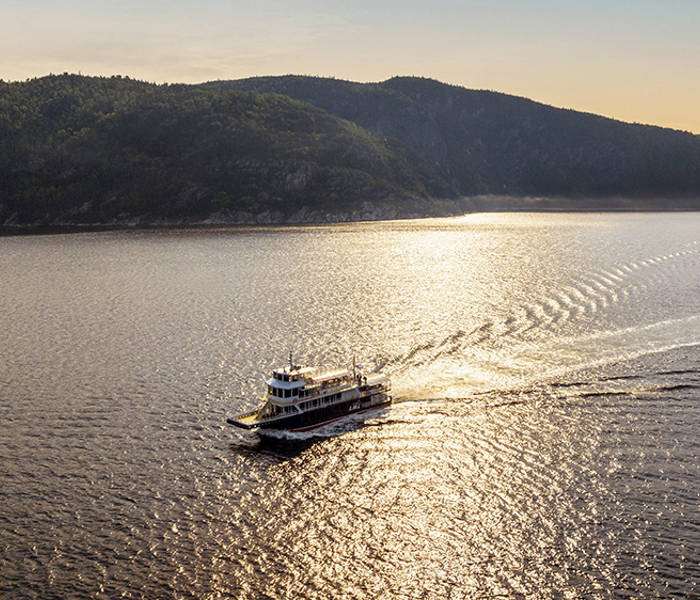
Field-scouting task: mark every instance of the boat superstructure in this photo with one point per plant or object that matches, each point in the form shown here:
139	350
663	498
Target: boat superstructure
299	398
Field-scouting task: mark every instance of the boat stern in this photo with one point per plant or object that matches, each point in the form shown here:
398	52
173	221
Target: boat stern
245	421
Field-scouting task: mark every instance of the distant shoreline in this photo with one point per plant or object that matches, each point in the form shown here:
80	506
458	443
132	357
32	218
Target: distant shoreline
70	228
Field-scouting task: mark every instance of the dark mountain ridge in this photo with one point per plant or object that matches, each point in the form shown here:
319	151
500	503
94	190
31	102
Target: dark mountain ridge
96	150
485	142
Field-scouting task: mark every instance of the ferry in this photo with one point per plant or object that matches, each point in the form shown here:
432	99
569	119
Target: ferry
300	398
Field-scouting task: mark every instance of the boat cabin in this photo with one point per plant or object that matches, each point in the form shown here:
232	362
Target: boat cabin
285	384
289	385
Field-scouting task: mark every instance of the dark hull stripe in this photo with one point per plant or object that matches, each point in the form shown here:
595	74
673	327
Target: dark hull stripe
359	411
310	427
323	415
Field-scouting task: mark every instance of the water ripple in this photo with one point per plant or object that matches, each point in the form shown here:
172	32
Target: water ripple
543	442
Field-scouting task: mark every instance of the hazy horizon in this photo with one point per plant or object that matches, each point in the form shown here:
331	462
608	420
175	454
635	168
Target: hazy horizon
633	64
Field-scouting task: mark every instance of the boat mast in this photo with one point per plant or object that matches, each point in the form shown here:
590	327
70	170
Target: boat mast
291	363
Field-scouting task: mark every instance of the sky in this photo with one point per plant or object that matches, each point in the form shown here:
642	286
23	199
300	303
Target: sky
634	60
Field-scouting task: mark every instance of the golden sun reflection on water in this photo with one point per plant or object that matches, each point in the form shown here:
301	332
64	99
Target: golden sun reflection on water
543	442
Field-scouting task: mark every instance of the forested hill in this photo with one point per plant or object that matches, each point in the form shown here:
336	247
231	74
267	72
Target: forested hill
84	150
485	142
113	150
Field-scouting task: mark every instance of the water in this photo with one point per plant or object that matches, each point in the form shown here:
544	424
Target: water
544	442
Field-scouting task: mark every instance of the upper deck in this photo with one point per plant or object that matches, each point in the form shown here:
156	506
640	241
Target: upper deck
289	383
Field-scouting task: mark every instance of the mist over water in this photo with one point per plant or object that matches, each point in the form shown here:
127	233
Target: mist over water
543	442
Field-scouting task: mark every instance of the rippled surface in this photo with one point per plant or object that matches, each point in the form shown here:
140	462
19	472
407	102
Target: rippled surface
544	443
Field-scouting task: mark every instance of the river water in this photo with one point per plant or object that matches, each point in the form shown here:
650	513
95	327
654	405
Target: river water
543	442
